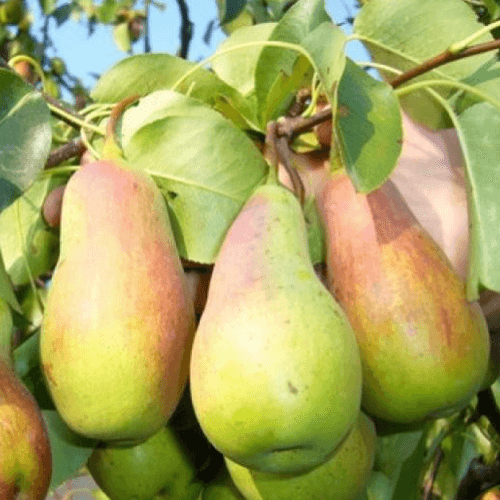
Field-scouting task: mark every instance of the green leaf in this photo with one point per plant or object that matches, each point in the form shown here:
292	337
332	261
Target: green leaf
230	9
26	240
107	11
368	127
62	13
26	356
393	450
278	7
206	182
325	44
27	366
459	448
405	33
379	487
407	485
315	234
278	76
6	290
237	68
493	7
69	450
121	36
47	6
145	73
486	79
25	136
479	136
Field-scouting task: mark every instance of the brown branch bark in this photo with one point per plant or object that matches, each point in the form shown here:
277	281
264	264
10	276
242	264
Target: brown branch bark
443	58
69	150
438	458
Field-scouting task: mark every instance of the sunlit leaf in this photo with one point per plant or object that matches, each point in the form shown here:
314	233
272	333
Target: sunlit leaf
47	6
479	135
145	73
405	33
121	36
237	67
206	181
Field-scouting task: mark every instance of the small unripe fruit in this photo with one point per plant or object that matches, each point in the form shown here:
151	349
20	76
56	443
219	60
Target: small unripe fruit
52	207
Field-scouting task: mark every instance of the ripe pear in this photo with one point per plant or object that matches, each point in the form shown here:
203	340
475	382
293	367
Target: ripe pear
25	456
161	466
118	323
343	477
424	347
275	370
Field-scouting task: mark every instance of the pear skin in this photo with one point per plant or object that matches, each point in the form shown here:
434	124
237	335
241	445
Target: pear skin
25	456
424	347
118	323
275	369
343	477
161	465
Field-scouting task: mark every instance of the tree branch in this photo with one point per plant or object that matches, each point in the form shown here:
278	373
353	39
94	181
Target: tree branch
186	29
147	43
65	152
438	458
444	58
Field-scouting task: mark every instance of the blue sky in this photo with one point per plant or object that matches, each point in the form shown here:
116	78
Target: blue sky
95	54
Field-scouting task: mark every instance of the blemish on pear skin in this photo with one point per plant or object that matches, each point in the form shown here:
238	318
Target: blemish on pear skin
292	388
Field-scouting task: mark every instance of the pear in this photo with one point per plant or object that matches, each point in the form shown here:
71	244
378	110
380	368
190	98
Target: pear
118	323
425	349
221	487
25	456
343	477
275	369
161	466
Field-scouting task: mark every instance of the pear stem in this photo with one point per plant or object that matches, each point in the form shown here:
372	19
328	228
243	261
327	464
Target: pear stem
112	149
280	151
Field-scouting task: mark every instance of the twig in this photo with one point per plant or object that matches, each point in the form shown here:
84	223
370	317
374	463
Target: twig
186	29
438	458
444	58
147	42
280	144
69	150
291	127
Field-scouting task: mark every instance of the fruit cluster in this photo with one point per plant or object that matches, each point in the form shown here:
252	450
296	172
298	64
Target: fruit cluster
287	377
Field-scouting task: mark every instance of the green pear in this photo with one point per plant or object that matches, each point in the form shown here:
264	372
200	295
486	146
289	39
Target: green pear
25	456
221	487
118	324
343	477
161	466
425	349
275	369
